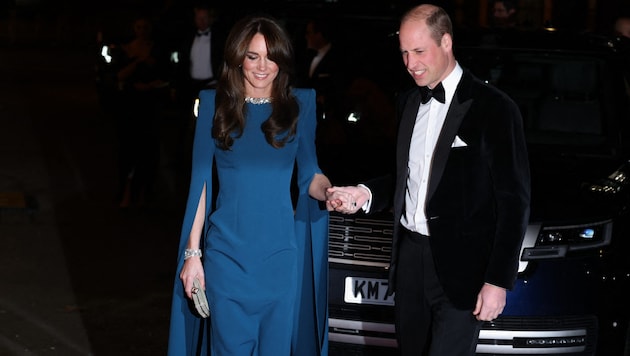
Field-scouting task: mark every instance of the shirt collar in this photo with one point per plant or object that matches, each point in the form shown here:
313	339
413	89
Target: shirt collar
322	51
451	81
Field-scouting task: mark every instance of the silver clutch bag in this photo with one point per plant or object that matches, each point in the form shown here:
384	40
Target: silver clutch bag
200	300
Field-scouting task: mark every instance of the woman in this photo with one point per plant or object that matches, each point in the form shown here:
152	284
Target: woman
262	263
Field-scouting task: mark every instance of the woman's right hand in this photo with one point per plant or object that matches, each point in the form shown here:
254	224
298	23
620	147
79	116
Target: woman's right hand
346	200
193	268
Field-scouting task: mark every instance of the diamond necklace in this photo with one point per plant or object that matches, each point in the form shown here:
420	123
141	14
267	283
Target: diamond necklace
257	101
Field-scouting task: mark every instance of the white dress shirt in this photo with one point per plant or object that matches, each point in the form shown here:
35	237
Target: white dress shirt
318	58
429	121
200	60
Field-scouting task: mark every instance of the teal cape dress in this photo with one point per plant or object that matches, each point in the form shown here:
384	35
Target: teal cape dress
265	263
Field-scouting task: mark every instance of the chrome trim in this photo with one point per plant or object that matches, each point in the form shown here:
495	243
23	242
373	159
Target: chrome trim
509	335
509	350
348	331
358	263
529	241
362	340
545	252
361	325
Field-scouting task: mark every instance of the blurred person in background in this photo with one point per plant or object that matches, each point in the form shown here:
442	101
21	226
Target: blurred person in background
622	26
200	55
504	13
141	67
321	66
199	60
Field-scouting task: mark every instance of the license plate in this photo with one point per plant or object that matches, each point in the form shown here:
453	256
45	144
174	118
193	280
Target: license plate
360	290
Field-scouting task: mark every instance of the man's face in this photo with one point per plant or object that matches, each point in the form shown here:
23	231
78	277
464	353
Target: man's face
500	13
426	62
202	19
314	39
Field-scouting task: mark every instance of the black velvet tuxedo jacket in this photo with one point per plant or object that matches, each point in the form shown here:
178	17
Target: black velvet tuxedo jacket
328	79
217	41
478	196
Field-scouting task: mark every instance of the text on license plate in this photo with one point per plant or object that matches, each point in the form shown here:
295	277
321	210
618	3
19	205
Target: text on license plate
360	290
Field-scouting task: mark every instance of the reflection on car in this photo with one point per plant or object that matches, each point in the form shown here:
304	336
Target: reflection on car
572	293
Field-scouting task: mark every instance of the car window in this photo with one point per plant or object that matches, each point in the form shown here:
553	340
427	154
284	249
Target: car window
559	95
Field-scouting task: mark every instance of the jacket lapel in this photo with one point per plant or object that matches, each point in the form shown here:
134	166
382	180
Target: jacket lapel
462	100
407	122
405	130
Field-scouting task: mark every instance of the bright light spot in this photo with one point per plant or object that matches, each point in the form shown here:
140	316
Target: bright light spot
196	107
105	54
587	233
353	117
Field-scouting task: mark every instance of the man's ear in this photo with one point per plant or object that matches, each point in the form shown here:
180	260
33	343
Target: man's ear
446	41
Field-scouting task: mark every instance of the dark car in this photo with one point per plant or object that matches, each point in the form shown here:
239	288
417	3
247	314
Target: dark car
572	294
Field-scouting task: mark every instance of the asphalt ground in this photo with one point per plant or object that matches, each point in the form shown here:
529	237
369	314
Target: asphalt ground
78	275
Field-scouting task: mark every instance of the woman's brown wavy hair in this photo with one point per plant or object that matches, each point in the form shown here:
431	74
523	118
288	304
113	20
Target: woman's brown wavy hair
231	110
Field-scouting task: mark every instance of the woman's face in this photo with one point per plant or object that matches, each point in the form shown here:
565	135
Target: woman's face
258	69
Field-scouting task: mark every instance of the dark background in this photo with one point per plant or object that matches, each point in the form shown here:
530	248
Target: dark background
76	22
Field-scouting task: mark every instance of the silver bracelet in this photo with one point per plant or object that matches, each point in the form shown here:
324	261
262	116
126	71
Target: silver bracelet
188	253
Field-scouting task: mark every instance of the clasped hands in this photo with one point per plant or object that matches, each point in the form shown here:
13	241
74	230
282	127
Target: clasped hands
346	200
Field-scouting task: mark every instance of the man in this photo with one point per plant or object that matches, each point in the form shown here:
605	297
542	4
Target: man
461	197
322	66
322	62
504	13
200	56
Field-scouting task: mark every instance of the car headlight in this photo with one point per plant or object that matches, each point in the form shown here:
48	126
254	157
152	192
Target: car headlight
614	183
557	241
578	235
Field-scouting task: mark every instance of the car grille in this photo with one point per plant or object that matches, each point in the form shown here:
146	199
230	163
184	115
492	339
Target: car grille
361	241
570	335
566	336
359	332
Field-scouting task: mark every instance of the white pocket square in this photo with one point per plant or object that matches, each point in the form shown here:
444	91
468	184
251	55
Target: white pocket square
458	142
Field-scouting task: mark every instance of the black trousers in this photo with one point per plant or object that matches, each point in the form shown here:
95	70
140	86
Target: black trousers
426	322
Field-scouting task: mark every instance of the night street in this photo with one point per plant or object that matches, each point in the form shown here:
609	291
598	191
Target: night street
78	276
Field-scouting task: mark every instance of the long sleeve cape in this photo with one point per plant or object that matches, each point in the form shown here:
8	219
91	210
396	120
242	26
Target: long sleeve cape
188	332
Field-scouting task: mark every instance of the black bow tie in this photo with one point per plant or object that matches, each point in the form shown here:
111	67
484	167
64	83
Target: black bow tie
437	93
203	33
